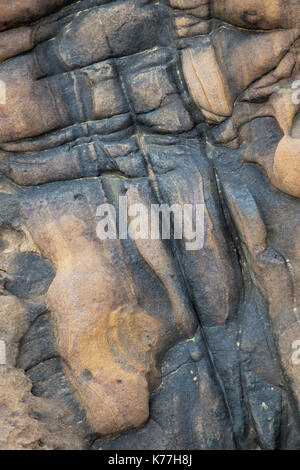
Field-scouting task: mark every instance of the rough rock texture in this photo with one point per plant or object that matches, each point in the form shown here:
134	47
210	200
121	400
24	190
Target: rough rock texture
138	344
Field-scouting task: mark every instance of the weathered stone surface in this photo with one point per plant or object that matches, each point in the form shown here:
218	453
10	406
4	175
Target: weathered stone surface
140	343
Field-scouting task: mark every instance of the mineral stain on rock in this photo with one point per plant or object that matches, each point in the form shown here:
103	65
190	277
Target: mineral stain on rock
137	344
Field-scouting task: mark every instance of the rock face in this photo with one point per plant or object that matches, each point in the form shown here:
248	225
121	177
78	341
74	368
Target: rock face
141	343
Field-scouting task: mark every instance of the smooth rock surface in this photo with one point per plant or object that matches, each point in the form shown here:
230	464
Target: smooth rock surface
140	343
